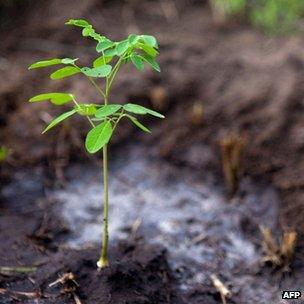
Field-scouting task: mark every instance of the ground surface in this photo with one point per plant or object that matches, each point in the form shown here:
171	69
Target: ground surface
245	81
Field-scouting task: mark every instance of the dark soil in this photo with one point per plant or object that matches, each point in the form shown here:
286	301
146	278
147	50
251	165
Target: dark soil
33	235
246	83
138	274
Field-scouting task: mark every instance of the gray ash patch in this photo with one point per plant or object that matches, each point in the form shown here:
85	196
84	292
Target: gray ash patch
203	231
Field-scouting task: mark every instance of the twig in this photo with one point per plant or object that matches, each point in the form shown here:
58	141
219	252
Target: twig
288	246
221	288
279	254
232	154
270	247
69	284
198	239
69	276
29	295
135	227
8	270
76	298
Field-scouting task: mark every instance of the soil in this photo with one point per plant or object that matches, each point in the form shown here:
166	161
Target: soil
138	273
243	81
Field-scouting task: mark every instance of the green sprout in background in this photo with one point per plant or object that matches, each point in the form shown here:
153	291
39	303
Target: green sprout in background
3	153
277	16
273	16
103	118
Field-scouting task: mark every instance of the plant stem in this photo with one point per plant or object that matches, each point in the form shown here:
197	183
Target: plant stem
103	260
113	74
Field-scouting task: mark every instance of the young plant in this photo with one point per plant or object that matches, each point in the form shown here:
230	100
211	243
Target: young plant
103	118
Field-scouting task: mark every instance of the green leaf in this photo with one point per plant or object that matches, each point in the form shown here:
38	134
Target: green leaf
55	98
103	45
152	62
137	61
96	36
122	47
65	72
138	124
68	60
88	31
98	137
59	119
150	40
138	109
86	109
110	52
148	50
107	110
44	63
133	39
101	71
78	22
102	60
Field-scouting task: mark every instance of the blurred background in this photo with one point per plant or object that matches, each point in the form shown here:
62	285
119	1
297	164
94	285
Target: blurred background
231	88
227	66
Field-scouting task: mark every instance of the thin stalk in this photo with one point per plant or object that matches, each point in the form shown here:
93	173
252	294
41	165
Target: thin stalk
103	260
100	91
118	120
113	74
97	87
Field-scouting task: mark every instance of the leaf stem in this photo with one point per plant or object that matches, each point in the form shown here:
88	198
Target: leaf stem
118	119
96	87
100	91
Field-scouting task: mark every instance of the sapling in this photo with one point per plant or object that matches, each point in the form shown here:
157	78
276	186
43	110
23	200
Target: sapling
103	117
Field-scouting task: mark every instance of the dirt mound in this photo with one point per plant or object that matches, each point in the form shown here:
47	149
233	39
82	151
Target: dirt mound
138	274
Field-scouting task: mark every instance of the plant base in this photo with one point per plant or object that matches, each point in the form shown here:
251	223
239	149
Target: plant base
102	263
